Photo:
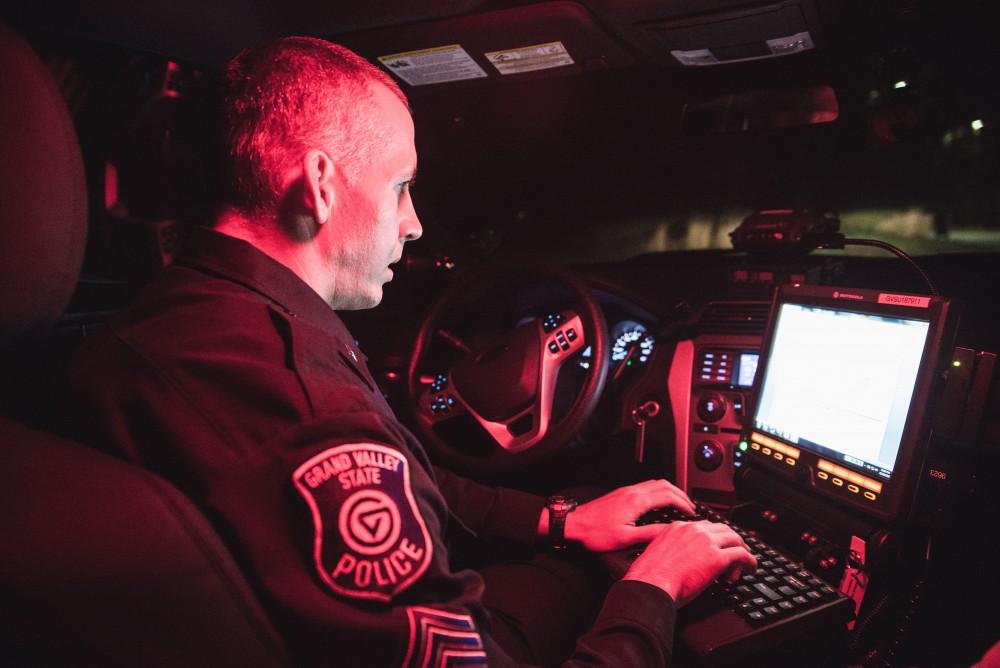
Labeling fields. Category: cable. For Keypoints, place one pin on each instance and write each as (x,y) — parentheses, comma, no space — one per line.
(841,242)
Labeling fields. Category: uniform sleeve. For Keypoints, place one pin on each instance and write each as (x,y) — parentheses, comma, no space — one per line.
(492,512)
(373,559)
(634,628)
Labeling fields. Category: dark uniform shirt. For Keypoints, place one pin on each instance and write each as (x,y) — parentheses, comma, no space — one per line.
(231,377)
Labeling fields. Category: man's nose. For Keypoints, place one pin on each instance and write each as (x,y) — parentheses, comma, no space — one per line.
(410,228)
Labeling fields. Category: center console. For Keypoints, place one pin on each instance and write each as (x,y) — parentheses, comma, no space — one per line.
(710,382)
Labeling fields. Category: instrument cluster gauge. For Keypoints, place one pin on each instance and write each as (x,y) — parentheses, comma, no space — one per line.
(631,344)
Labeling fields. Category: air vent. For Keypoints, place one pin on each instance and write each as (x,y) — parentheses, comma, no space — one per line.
(748,318)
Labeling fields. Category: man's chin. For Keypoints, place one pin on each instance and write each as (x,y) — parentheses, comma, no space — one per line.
(360,302)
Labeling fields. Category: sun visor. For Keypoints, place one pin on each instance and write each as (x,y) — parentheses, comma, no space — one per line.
(351,16)
(546,39)
(698,33)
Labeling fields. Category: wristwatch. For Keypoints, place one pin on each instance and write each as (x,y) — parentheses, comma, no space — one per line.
(559,507)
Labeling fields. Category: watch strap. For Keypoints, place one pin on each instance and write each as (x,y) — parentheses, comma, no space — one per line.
(559,508)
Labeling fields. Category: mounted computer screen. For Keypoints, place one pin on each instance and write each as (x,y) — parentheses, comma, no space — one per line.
(844,391)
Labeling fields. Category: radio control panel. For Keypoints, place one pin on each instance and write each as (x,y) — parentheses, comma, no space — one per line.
(720,374)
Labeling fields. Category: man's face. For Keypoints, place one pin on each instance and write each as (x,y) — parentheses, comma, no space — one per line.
(374,214)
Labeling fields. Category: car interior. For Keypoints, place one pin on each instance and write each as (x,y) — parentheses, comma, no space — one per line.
(748,246)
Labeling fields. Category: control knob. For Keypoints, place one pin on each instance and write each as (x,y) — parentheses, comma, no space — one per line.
(708,456)
(711,407)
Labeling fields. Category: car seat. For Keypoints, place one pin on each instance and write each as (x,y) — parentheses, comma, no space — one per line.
(101,562)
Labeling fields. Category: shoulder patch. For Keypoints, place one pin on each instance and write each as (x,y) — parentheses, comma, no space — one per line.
(371,541)
(442,639)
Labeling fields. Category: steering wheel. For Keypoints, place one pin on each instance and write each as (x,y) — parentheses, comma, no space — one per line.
(507,384)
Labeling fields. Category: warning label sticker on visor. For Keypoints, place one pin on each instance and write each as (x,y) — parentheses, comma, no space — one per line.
(370,540)
(437,65)
(530,58)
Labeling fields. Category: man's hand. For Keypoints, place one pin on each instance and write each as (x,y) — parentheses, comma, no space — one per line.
(608,522)
(686,557)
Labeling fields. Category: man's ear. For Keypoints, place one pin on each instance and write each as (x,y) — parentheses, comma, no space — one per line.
(318,173)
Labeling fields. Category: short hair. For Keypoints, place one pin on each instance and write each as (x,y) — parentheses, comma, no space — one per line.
(286,97)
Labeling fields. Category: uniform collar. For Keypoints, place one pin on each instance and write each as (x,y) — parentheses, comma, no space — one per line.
(238,261)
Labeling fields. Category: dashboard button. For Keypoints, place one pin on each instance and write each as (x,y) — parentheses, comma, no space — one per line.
(711,407)
(708,456)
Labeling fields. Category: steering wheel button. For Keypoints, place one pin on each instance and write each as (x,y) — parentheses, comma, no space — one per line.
(564,344)
(553,346)
(571,334)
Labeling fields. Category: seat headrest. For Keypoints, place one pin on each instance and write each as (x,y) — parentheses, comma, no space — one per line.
(43,193)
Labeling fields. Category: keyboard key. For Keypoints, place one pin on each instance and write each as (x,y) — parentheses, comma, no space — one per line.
(785,590)
(756,617)
(749,579)
(815,582)
(767,591)
(799,600)
(759,601)
(786,605)
(770,579)
(778,571)
(814,595)
(744,590)
(767,564)
(795,582)
(771,611)
(746,607)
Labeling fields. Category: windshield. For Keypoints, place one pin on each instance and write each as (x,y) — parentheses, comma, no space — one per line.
(605,167)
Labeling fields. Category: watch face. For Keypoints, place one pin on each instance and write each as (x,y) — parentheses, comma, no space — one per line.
(562,504)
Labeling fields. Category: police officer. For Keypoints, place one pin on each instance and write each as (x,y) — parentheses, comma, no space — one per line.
(233,376)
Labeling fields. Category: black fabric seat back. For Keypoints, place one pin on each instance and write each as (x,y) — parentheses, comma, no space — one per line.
(101,562)
(107,564)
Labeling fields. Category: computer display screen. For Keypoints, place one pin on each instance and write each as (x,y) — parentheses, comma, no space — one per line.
(839,383)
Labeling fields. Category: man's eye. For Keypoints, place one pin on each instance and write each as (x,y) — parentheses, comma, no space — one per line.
(405,186)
